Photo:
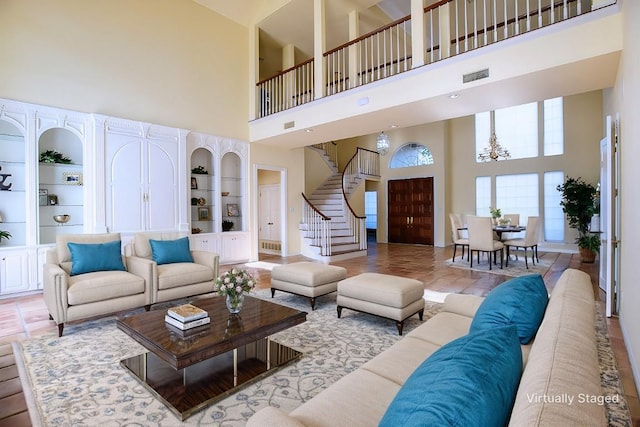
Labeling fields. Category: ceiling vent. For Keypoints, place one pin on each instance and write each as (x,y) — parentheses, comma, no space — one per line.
(476,75)
(289,125)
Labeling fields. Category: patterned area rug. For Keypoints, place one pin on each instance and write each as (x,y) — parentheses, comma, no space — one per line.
(77,380)
(516,267)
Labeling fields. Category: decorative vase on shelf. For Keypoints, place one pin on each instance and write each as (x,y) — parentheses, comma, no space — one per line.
(234,303)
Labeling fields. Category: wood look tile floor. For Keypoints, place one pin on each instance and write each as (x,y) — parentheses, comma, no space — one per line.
(26,316)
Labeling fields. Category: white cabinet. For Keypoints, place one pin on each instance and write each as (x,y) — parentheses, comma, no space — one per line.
(235,247)
(208,242)
(141,169)
(14,271)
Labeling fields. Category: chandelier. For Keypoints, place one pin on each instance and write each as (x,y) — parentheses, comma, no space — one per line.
(382,143)
(494,151)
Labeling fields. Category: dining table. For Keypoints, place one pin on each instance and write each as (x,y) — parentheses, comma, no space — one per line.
(499,229)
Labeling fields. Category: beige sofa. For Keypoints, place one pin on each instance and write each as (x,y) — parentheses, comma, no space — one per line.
(175,280)
(74,297)
(562,360)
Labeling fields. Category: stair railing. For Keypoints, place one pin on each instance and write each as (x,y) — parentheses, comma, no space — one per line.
(363,162)
(318,226)
(329,149)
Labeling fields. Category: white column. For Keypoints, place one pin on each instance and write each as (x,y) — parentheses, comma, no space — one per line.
(254,69)
(319,43)
(417,33)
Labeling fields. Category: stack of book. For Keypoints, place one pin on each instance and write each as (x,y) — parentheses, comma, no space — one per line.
(186,317)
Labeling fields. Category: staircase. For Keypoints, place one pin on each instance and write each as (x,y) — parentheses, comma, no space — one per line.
(331,231)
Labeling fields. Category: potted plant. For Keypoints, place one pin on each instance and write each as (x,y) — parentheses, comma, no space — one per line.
(578,205)
(227,225)
(495,214)
(4,235)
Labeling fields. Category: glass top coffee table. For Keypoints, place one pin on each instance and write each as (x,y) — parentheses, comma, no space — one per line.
(190,370)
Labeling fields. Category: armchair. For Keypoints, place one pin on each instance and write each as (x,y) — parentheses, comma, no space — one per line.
(172,280)
(85,275)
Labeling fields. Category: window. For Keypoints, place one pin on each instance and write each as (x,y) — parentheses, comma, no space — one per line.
(517,129)
(371,209)
(553,215)
(483,195)
(411,154)
(518,194)
(553,127)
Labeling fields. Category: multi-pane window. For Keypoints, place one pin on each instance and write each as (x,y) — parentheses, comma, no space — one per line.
(518,194)
(371,209)
(517,127)
(517,130)
(553,215)
(411,154)
(553,127)
(483,195)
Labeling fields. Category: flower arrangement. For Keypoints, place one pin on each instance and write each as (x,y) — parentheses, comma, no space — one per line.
(234,284)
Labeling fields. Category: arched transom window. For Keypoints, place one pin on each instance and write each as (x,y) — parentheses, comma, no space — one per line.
(411,154)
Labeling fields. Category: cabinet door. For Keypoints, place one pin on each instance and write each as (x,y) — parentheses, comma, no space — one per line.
(142,184)
(124,183)
(235,247)
(162,186)
(14,272)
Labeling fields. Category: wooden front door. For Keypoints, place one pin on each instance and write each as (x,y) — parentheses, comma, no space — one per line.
(410,211)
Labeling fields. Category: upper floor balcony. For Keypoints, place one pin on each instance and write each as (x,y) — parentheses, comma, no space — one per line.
(451,58)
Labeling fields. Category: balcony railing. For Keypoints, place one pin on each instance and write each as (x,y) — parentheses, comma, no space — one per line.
(464,25)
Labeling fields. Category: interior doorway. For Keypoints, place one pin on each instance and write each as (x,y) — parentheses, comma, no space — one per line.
(270,230)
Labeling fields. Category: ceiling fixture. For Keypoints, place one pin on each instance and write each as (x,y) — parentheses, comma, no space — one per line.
(494,151)
(382,143)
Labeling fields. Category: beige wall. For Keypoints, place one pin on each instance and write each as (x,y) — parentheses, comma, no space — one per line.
(292,162)
(433,136)
(268,177)
(168,62)
(316,171)
(583,132)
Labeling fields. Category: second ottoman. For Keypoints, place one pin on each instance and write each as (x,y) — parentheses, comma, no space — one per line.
(309,279)
(392,297)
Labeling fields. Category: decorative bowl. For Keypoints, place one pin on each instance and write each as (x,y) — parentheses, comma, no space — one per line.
(61,219)
(225,193)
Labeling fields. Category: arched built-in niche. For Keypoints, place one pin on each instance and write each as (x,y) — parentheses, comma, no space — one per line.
(60,184)
(203,194)
(12,185)
(231,190)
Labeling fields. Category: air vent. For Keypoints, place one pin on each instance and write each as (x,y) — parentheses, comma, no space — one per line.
(477,75)
(289,125)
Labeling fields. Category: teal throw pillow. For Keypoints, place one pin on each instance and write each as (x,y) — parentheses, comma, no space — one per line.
(170,251)
(520,301)
(471,381)
(90,257)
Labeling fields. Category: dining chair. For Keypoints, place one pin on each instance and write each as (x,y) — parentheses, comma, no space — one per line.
(530,240)
(456,224)
(481,239)
(513,219)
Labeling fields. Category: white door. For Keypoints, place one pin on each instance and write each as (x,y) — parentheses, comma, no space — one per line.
(269,202)
(609,215)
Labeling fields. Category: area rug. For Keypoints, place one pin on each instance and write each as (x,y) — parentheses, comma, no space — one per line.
(76,380)
(516,267)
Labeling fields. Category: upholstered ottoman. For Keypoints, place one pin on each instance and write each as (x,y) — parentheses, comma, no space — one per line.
(309,279)
(391,297)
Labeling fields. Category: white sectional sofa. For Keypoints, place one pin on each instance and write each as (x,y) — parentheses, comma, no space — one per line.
(560,362)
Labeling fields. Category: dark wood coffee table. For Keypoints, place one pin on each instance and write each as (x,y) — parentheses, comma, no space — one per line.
(189,371)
